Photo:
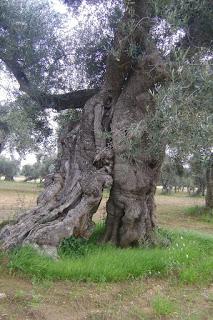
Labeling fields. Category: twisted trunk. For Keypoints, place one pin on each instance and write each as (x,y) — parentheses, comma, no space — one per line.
(136,171)
(72,195)
(107,147)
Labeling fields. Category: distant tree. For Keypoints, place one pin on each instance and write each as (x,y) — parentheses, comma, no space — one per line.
(198,166)
(39,170)
(8,168)
(167,177)
(173,174)
(30,172)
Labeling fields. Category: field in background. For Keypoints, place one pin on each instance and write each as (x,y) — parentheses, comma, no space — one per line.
(140,299)
(17,197)
(20,196)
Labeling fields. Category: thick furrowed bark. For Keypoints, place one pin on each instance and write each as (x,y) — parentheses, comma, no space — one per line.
(73,194)
(130,218)
(135,173)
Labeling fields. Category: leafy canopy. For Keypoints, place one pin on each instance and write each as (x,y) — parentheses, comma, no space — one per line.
(62,52)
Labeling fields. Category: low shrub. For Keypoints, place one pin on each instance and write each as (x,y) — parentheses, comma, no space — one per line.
(73,247)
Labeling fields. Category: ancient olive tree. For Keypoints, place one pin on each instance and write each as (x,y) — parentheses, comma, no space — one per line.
(114,141)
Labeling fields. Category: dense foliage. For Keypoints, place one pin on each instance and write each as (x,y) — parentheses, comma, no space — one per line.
(61,52)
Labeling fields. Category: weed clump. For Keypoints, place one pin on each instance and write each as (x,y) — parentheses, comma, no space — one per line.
(73,247)
(163,306)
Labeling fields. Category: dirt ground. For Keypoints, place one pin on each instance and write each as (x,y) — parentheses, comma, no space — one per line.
(17,197)
(26,299)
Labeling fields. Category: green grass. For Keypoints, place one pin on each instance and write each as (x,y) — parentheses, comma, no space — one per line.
(162,306)
(200,212)
(189,257)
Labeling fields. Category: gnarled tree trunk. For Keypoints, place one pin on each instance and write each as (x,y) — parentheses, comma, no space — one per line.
(136,170)
(72,195)
(107,147)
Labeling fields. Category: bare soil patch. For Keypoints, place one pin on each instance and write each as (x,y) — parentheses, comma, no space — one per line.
(16,197)
(77,301)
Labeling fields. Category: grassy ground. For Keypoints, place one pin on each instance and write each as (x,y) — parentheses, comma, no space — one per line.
(180,291)
(188,258)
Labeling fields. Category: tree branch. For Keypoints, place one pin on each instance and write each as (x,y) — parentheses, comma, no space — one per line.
(73,100)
